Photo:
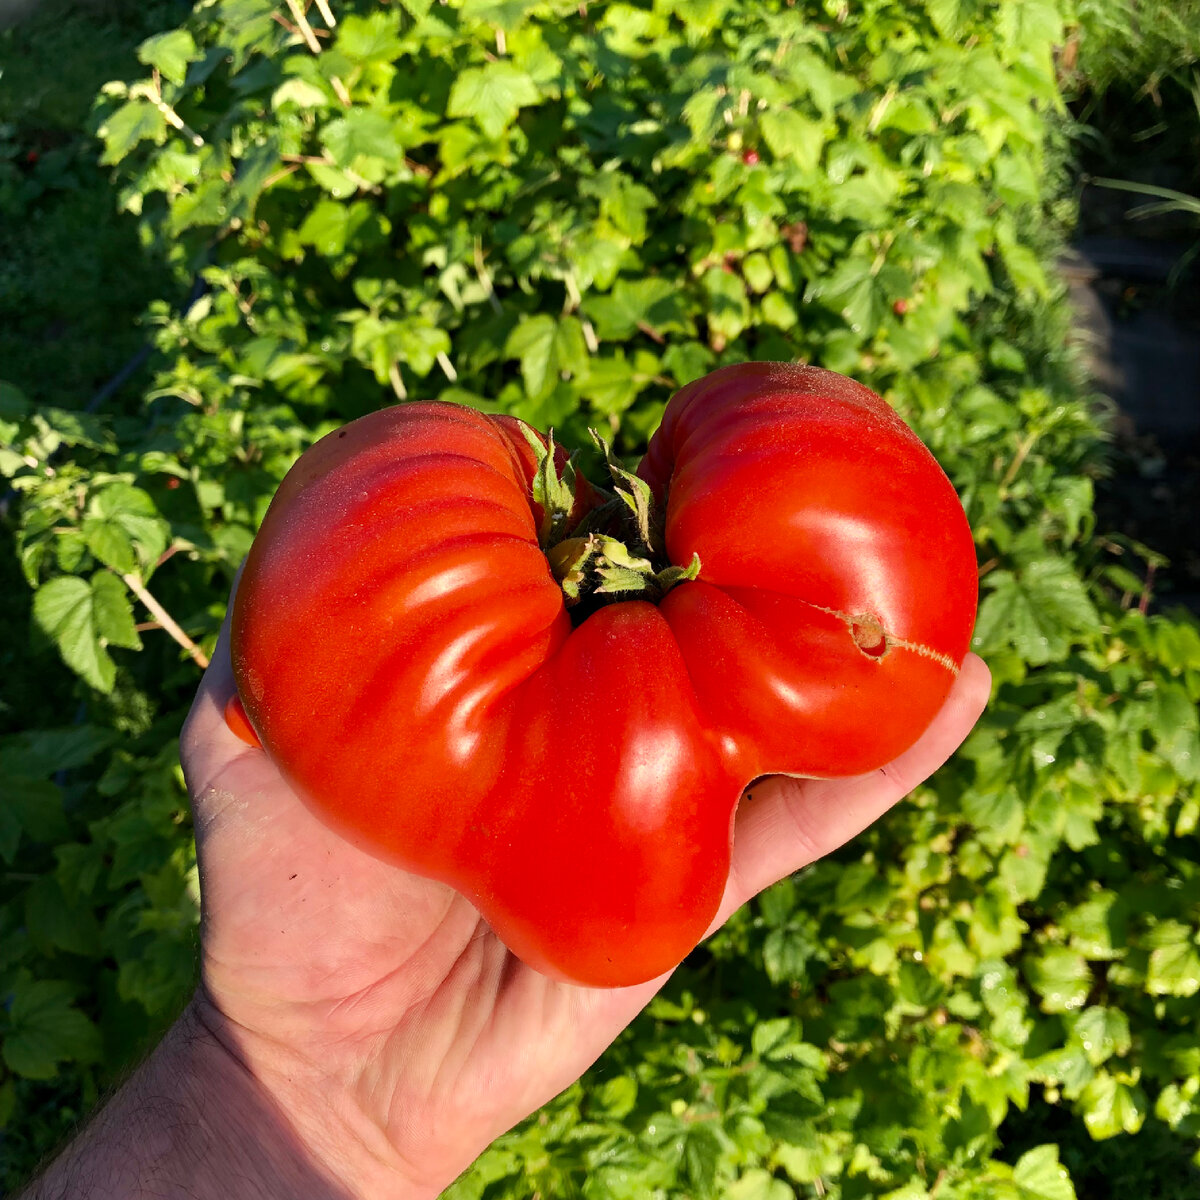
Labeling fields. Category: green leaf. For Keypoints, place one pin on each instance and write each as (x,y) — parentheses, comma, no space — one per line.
(1111,1107)
(728,308)
(1176,726)
(652,304)
(325,228)
(700,112)
(701,1155)
(1026,270)
(10,825)
(1098,926)
(1035,611)
(169,53)
(419,344)
(687,361)
(787,952)
(758,272)
(34,806)
(45,1028)
(492,95)
(123,527)
(508,14)
(918,987)
(946,16)
(361,132)
(757,1184)
(110,543)
(337,183)
(1061,977)
(63,608)
(1040,1176)
(612,383)
(54,922)
(301,93)
(112,612)
(258,163)
(1023,872)
(793,137)
(790,1118)
(76,429)
(996,809)
(374,38)
(622,201)
(83,619)
(14,404)
(617,1096)
(997,930)
(547,348)
(777,310)
(1101,1032)
(1174,970)
(134,122)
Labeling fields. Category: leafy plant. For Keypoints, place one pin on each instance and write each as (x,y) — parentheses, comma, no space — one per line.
(565,212)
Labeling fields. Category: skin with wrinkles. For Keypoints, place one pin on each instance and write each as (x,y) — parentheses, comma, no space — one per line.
(405,655)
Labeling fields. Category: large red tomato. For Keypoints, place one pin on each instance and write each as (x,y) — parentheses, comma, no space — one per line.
(407,657)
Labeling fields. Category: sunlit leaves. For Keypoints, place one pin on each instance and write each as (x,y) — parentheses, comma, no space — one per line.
(566,212)
(360,132)
(653,306)
(1111,1106)
(169,53)
(492,95)
(134,122)
(547,349)
(1036,610)
(1039,1175)
(84,619)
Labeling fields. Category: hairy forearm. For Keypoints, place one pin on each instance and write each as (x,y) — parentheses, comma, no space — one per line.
(192,1123)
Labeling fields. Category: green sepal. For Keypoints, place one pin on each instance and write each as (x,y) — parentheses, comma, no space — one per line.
(570,561)
(554,492)
(638,497)
(619,570)
(668,577)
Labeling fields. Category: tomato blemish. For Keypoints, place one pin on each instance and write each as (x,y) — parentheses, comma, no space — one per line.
(869,635)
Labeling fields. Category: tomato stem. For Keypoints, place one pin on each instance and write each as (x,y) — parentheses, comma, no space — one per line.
(618,550)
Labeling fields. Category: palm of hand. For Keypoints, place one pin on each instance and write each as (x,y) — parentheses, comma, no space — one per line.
(378,1007)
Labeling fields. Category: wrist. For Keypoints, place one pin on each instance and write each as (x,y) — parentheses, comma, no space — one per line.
(295,1117)
(198,1120)
(241,1137)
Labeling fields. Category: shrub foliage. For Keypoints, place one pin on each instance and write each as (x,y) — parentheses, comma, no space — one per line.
(565,211)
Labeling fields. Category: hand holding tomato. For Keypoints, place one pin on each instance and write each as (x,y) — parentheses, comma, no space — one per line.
(376,1013)
(360,1030)
(374,1007)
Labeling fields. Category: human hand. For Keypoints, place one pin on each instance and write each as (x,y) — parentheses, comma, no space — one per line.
(375,1008)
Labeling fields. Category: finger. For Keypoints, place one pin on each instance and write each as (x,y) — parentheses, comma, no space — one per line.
(206,738)
(784,824)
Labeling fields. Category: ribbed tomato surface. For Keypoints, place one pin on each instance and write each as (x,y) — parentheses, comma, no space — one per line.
(405,654)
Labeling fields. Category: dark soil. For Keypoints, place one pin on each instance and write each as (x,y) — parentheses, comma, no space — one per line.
(1138,301)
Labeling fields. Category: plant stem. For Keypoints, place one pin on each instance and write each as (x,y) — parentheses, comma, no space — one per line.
(164,618)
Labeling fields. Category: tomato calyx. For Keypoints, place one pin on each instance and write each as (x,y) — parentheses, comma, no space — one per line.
(553,490)
(618,550)
(599,568)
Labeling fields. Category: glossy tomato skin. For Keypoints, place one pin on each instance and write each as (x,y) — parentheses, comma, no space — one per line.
(404,654)
(852,517)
